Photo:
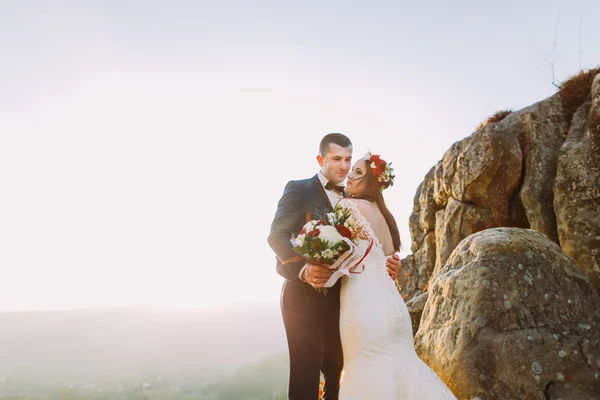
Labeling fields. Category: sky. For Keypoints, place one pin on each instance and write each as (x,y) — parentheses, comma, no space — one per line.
(144,145)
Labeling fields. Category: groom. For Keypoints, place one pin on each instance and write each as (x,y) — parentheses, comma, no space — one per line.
(311,319)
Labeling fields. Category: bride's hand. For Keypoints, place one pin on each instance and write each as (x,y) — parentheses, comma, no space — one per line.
(393,265)
(316,275)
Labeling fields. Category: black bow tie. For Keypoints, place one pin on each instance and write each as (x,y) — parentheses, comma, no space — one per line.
(331,186)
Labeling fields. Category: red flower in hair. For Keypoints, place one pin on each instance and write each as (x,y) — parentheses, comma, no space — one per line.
(380,169)
(379,165)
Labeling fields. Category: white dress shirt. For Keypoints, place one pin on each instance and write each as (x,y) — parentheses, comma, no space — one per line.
(333,196)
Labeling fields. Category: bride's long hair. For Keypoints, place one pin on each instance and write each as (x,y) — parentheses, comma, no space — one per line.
(374,192)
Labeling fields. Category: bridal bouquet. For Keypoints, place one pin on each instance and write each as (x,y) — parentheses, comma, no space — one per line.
(331,242)
(322,242)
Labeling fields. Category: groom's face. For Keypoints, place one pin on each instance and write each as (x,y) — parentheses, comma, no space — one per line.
(335,163)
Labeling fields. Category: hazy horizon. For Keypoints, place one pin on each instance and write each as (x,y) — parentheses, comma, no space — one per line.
(144,144)
(120,353)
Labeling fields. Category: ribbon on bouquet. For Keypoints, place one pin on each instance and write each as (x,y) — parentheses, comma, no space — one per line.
(347,263)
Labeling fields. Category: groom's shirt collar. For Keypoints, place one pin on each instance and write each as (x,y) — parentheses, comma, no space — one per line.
(322,178)
(333,196)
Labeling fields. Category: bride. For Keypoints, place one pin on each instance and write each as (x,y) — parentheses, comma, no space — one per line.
(380,361)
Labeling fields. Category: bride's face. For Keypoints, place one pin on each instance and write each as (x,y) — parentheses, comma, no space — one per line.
(356,181)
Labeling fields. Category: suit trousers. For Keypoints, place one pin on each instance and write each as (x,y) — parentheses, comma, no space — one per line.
(311,321)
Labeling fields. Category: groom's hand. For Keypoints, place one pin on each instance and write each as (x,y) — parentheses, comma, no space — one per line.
(393,265)
(316,275)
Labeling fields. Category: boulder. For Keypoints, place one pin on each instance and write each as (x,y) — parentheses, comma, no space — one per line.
(510,316)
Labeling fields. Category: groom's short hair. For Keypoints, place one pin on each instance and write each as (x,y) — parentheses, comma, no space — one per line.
(336,138)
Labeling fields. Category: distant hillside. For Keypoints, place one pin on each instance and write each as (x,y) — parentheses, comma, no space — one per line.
(266,379)
(130,342)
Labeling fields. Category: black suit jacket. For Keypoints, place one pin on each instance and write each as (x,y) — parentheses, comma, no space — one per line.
(301,200)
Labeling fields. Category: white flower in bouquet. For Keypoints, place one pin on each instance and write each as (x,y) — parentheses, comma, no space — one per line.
(327,253)
(330,234)
(309,226)
(299,240)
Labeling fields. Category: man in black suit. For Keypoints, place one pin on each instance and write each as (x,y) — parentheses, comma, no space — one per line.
(311,319)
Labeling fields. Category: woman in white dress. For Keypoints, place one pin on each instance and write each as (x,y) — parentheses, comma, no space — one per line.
(380,361)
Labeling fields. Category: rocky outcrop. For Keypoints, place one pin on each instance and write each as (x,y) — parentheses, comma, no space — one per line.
(577,188)
(503,280)
(483,169)
(510,316)
(538,168)
(415,306)
(418,267)
(541,134)
(454,223)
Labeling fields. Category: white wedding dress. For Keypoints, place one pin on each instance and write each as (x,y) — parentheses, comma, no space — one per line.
(380,361)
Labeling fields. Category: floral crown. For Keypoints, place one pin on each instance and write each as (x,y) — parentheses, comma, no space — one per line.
(380,169)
